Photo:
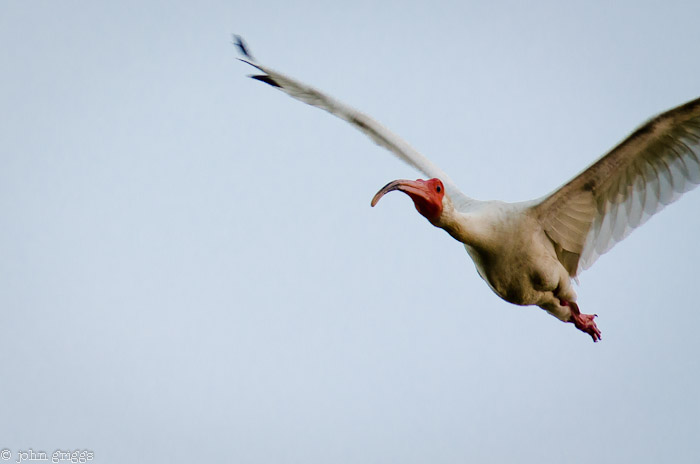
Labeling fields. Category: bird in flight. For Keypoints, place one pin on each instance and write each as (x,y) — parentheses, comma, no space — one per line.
(529,252)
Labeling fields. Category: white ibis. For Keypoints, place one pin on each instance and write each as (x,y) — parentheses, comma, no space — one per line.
(529,252)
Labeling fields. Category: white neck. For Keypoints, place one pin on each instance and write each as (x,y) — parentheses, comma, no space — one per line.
(462,227)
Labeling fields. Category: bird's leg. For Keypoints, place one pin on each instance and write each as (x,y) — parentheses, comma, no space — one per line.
(583,322)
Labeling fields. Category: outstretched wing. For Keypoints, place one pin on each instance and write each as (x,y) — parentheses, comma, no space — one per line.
(373,129)
(650,169)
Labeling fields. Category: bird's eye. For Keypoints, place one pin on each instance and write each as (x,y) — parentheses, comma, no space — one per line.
(438,189)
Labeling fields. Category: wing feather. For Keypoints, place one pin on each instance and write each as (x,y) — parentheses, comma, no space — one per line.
(370,127)
(650,169)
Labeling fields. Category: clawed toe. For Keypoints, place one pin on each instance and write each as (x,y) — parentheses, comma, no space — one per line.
(586,323)
(583,322)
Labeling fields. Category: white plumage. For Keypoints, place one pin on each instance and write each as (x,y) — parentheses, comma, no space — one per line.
(528,252)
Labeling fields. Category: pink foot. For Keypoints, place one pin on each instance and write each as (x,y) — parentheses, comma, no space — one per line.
(583,322)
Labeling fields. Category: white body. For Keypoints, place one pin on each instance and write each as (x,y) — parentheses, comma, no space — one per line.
(512,253)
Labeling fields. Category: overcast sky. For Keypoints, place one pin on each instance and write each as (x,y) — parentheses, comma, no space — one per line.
(190,270)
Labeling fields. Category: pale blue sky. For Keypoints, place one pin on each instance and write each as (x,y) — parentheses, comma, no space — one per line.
(190,270)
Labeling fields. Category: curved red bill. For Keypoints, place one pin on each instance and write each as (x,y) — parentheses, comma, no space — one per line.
(426,195)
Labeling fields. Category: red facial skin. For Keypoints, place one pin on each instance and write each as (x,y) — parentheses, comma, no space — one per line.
(426,195)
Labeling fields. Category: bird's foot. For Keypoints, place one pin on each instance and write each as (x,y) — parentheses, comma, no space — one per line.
(583,322)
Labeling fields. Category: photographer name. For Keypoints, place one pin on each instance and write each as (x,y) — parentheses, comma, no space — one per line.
(74,457)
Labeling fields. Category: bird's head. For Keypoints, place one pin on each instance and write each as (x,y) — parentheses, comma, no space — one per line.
(427,195)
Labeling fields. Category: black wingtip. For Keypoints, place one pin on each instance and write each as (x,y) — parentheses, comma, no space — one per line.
(242,47)
(266,79)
